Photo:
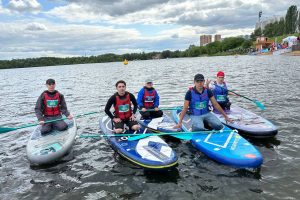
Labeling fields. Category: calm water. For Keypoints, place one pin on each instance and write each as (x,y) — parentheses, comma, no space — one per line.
(94,171)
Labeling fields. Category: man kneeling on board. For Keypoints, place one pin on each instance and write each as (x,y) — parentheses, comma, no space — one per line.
(49,106)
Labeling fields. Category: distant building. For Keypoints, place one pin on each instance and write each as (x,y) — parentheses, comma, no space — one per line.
(217,38)
(263,43)
(205,39)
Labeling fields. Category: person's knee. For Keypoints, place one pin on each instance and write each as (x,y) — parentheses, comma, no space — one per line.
(62,127)
(135,127)
(118,130)
(146,115)
(46,129)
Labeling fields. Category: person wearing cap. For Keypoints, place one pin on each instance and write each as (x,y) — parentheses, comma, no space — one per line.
(196,102)
(51,105)
(148,98)
(219,89)
(124,114)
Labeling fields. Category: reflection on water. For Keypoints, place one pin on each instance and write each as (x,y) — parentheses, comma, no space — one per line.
(94,171)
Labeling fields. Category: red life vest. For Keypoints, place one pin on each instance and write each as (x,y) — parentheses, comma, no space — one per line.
(52,104)
(123,107)
(149,98)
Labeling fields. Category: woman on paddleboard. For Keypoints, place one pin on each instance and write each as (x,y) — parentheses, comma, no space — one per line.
(123,114)
(196,101)
(49,106)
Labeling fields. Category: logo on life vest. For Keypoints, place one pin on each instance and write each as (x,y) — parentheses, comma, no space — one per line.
(221,98)
(149,99)
(200,105)
(52,103)
(123,108)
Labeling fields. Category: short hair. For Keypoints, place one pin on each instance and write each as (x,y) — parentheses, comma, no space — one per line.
(120,81)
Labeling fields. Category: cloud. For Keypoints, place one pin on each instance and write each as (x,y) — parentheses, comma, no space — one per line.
(35,27)
(23,6)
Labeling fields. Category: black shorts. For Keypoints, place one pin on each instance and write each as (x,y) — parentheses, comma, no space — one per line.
(121,124)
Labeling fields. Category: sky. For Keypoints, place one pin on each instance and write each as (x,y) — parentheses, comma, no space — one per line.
(37,28)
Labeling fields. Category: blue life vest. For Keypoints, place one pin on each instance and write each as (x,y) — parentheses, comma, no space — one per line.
(199,102)
(221,93)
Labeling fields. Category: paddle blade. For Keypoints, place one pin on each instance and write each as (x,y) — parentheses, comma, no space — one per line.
(6,129)
(183,136)
(260,105)
(132,138)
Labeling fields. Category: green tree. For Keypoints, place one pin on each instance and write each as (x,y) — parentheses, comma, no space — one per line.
(291,19)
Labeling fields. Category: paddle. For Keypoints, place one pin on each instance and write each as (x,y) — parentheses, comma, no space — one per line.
(257,103)
(7,129)
(175,108)
(132,136)
(181,135)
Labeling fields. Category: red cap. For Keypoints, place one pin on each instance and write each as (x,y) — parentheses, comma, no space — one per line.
(220,73)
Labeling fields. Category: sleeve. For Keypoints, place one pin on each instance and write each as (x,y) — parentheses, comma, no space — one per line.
(63,106)
(140,98)
(133,100)
(212,86)
(188,96)
(39,107)
(156,102)
(209,93)
(109,103)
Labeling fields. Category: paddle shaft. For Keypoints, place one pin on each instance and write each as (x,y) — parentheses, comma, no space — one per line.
(7,129)
(149,134)
(176,108)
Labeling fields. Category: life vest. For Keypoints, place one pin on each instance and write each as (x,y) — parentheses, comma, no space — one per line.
(123,107)
(52,104)
(199,103)
(149,98)
(220,93)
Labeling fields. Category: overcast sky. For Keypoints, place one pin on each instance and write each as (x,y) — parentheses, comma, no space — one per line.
(33,28)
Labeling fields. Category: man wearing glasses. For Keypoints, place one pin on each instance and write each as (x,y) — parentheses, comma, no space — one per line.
(197,101)
(148,98)
(123,114)
(49,106)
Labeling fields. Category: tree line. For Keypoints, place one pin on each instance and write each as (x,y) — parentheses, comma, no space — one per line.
(228,46)
(289,24)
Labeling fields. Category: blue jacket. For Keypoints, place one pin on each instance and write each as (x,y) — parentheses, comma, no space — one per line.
(141,97)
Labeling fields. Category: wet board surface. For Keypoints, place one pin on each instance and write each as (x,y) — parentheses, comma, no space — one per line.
(226,146)
(248,123)
(44,149)
(150,152)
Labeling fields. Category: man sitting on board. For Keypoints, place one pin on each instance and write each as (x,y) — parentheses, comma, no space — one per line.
(197,100)
(123,114)
(148,98)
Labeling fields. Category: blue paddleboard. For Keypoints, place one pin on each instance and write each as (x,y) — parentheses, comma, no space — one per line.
(248,123)
(226,146)
(150,152)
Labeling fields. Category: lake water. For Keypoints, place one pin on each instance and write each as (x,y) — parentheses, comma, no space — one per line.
(94,171)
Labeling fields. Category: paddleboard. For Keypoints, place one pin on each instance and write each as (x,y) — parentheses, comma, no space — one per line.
(248,123)
(226,146)
(48,148)
(150,152)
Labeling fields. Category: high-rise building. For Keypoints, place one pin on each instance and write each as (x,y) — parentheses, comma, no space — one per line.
(217,38)
(205,39)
